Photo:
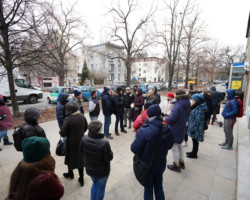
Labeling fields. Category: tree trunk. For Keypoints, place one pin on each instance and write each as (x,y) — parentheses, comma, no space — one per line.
(187,79)
(14,104)
(128,75)
(61,79)
(171,73)
(196,77)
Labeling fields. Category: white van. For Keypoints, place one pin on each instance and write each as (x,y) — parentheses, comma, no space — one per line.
(24,91)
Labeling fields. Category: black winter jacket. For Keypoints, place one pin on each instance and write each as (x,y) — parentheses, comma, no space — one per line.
(127,100)
(31,127)
(118,104)
(97,154)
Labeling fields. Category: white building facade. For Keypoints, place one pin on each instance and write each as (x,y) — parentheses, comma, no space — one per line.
(104,64)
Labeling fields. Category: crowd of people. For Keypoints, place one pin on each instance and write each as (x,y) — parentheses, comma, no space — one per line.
(157,129)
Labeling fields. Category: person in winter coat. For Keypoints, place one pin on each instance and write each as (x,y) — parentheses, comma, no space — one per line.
(145,143)
(31,127)
(216,98)
(34,177)
(168,105)
(229,112)
(127,101)
(157,96)
(177,121)
(94,107)
(140,120)
(5,121)
(74,127)
(78,99)
(135,87)
(107,109)
(207,98)
(118,110)
(151,98)
(60,108)
(138,104)
(97,154)
(196,123)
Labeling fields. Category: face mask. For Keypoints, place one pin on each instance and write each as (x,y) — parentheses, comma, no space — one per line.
(169,99)
(1,100)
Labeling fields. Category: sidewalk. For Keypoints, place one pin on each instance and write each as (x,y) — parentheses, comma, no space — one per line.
(212,176)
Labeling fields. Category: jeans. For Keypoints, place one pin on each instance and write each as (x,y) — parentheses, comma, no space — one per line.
(126,116)
(3,133)
(155,183)
(98,188)
(107,122)
(119,118)
(92,118)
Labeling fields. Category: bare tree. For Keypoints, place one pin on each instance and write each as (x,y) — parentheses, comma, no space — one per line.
(59,37)
(135,39)
(14,29)
(170,37)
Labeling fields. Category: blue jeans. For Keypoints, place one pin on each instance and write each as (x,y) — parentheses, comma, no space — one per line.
(3,133)
(155,183)
(92,118)
(107,122)
(119,118)
(98,188)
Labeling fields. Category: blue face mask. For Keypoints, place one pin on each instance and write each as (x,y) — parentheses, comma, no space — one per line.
(1,100)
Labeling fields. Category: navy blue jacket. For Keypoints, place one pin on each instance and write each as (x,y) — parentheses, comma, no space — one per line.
(216,97)
(118,104)
(60,113)
(145,142)
(178,117)
(106,104)
(209,111)
(230,112)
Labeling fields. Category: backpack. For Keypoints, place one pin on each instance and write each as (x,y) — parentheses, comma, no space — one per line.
(240,105)
(18,138)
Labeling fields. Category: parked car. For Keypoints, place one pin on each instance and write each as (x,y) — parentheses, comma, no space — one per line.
(174,85)
(144,87)
(54,93)
(158,86)
(163,87)
(86,92)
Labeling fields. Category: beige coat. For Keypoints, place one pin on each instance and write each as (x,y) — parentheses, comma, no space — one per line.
(167,106)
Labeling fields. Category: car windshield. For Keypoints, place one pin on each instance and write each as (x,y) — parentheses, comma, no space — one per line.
(68,90)
(92,89)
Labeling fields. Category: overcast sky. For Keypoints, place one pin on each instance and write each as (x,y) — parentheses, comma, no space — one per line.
(226,20)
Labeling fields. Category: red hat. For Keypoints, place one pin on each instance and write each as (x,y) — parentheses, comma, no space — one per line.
(170,95)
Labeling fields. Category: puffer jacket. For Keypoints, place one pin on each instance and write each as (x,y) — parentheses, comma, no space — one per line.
(216,96)
(60,108)
(106,104)
(7,121)
(97,154)
(179,116)
(157,97)
(127,100)
(197,119)
(138,102)
(118,104)
(230,111)
(31,127)
(209,111)
(146,140)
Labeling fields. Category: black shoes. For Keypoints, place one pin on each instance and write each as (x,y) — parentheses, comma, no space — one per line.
(174,167)
(192,155)
(81,181)
(109,136)
(124,131)
(68,175)
(124,126)
(6,141)
(189,153)
(117,133)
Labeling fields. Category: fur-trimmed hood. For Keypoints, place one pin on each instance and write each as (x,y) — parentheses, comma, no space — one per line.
(183,96)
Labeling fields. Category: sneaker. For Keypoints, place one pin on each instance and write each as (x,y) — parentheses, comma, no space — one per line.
(109,136)
(174,167)
(182,164)
(227,147)
(184,144)
(223,144)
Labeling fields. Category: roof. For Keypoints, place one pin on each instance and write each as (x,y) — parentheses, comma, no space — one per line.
(248,26)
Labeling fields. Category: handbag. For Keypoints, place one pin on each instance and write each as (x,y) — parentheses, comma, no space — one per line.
(61,148)
(141,168)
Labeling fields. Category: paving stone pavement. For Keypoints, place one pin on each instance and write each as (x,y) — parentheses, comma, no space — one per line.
(210,177)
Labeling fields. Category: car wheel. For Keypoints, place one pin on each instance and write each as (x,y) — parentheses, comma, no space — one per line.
(48,100)
(33,99)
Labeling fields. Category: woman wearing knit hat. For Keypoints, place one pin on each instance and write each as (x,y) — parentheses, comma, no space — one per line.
(167,105)
(97,154)
(34,177)
(196,123)
(78,99)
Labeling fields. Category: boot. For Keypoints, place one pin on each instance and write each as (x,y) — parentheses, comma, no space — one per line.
(123,130)
(6,141)
(174,167)
(116,132)
(182,164)
(81,180)
(193,154)
(0,149)
(70,175)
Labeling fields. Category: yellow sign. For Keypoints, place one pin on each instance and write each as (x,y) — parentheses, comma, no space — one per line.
(236,85)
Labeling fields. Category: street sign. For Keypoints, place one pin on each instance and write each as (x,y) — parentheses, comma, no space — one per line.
(236,85)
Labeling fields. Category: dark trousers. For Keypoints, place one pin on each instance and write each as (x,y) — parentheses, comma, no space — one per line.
(195,146)
(154,186)
(215,111)
(119,118)
(80,171)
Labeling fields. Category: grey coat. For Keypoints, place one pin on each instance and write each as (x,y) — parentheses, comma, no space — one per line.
(74,127)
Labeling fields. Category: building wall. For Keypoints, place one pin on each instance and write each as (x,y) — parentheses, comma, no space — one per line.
(247,96)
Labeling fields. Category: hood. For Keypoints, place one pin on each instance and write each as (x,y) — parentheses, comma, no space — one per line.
(63,97)
(105,90)
(197,97)
(71,107)
(103,94)
(213,88)
(185,102)
(31,115)
(230,94)
(183,96)
(139,91)
(155,121)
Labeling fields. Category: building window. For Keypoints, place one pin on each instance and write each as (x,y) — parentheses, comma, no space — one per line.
(139,74)
(92,66)
(112,67)
(144,71)
(145,64)
(91,57)
(118,77)
(139,69)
